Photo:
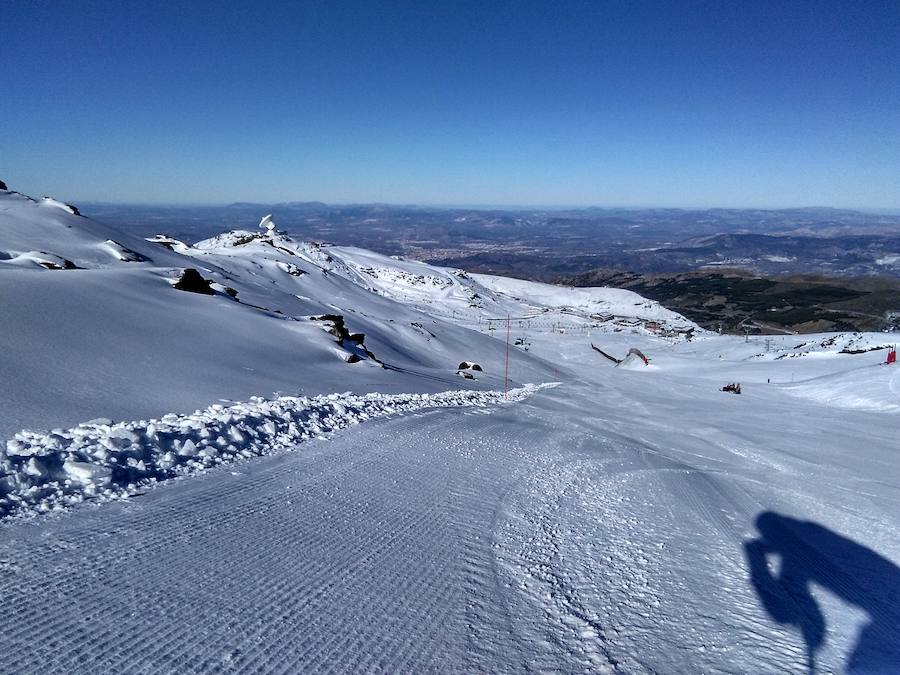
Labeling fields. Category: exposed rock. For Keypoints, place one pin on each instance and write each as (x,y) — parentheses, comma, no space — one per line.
(337,327)
(469,365)
(244,239)
(124,253)
(193,282)
(334,325)
(166,241)
(291,269)
(3,186)
(66,265)
(49,261)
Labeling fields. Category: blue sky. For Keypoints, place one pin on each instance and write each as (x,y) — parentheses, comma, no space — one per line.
(516,103)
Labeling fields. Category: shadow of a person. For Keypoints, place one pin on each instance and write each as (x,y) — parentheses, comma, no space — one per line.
(810,553)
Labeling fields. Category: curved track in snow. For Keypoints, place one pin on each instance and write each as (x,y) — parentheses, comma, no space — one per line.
(523,538)
(371,552)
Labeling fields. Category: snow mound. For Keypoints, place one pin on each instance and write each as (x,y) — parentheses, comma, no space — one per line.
(455,294)
(49,261)
(829,345)
(123,253)
(169,243)
(229,240)
(98,459)
(57,229)
(49,201)
(873,388)
(615,301)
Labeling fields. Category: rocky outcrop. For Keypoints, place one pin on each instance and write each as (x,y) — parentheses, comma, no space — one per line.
(193,282)
(334,325)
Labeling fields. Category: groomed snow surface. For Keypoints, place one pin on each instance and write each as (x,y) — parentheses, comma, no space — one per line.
(102,460)
(629,520)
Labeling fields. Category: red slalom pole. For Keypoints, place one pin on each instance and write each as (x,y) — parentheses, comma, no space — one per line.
(506,366)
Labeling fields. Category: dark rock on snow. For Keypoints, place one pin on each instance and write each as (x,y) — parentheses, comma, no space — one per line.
(193,282)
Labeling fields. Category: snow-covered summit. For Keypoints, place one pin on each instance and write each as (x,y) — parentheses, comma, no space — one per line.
(449,292)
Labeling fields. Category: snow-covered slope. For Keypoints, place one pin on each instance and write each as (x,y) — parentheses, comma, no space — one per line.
(100,331)
(31,229)
(634,519)
(135,347)
(616,301)
(471,297)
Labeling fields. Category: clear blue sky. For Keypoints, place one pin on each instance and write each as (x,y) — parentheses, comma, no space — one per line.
(726,103)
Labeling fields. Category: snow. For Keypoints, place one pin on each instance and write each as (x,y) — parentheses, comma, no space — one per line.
(225,510)
(43,471)
(876,388)
(116,340)
(49,201)
(49,226)
(617,301)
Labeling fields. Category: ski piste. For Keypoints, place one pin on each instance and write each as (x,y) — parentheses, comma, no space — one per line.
(330,491)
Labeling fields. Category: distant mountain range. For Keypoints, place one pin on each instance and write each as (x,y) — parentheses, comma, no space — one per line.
(545,244)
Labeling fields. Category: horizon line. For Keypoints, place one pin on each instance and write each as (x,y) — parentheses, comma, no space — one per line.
(880,210)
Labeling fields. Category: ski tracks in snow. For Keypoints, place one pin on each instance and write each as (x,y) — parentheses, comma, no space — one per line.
(500,539)
(633,564)
(102,460)
(372,553)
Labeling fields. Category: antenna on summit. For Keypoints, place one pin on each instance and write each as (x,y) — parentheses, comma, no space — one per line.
(268,224)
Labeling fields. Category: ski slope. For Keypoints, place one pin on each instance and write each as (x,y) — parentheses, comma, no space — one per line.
(627,520)
(104,460)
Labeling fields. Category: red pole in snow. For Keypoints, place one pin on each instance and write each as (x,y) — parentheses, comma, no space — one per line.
(506,367)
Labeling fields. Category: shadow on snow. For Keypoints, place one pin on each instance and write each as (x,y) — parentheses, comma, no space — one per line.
(809,553)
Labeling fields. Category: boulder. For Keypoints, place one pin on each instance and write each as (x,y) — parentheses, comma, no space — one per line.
(193,282)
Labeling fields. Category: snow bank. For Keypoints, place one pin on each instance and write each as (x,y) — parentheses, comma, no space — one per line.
(68,208)
(827,345)
(98,459)
(871,388)
(53,228)
(617,301)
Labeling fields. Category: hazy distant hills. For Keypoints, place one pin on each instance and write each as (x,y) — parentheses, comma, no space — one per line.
(546,244)
(738,301)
